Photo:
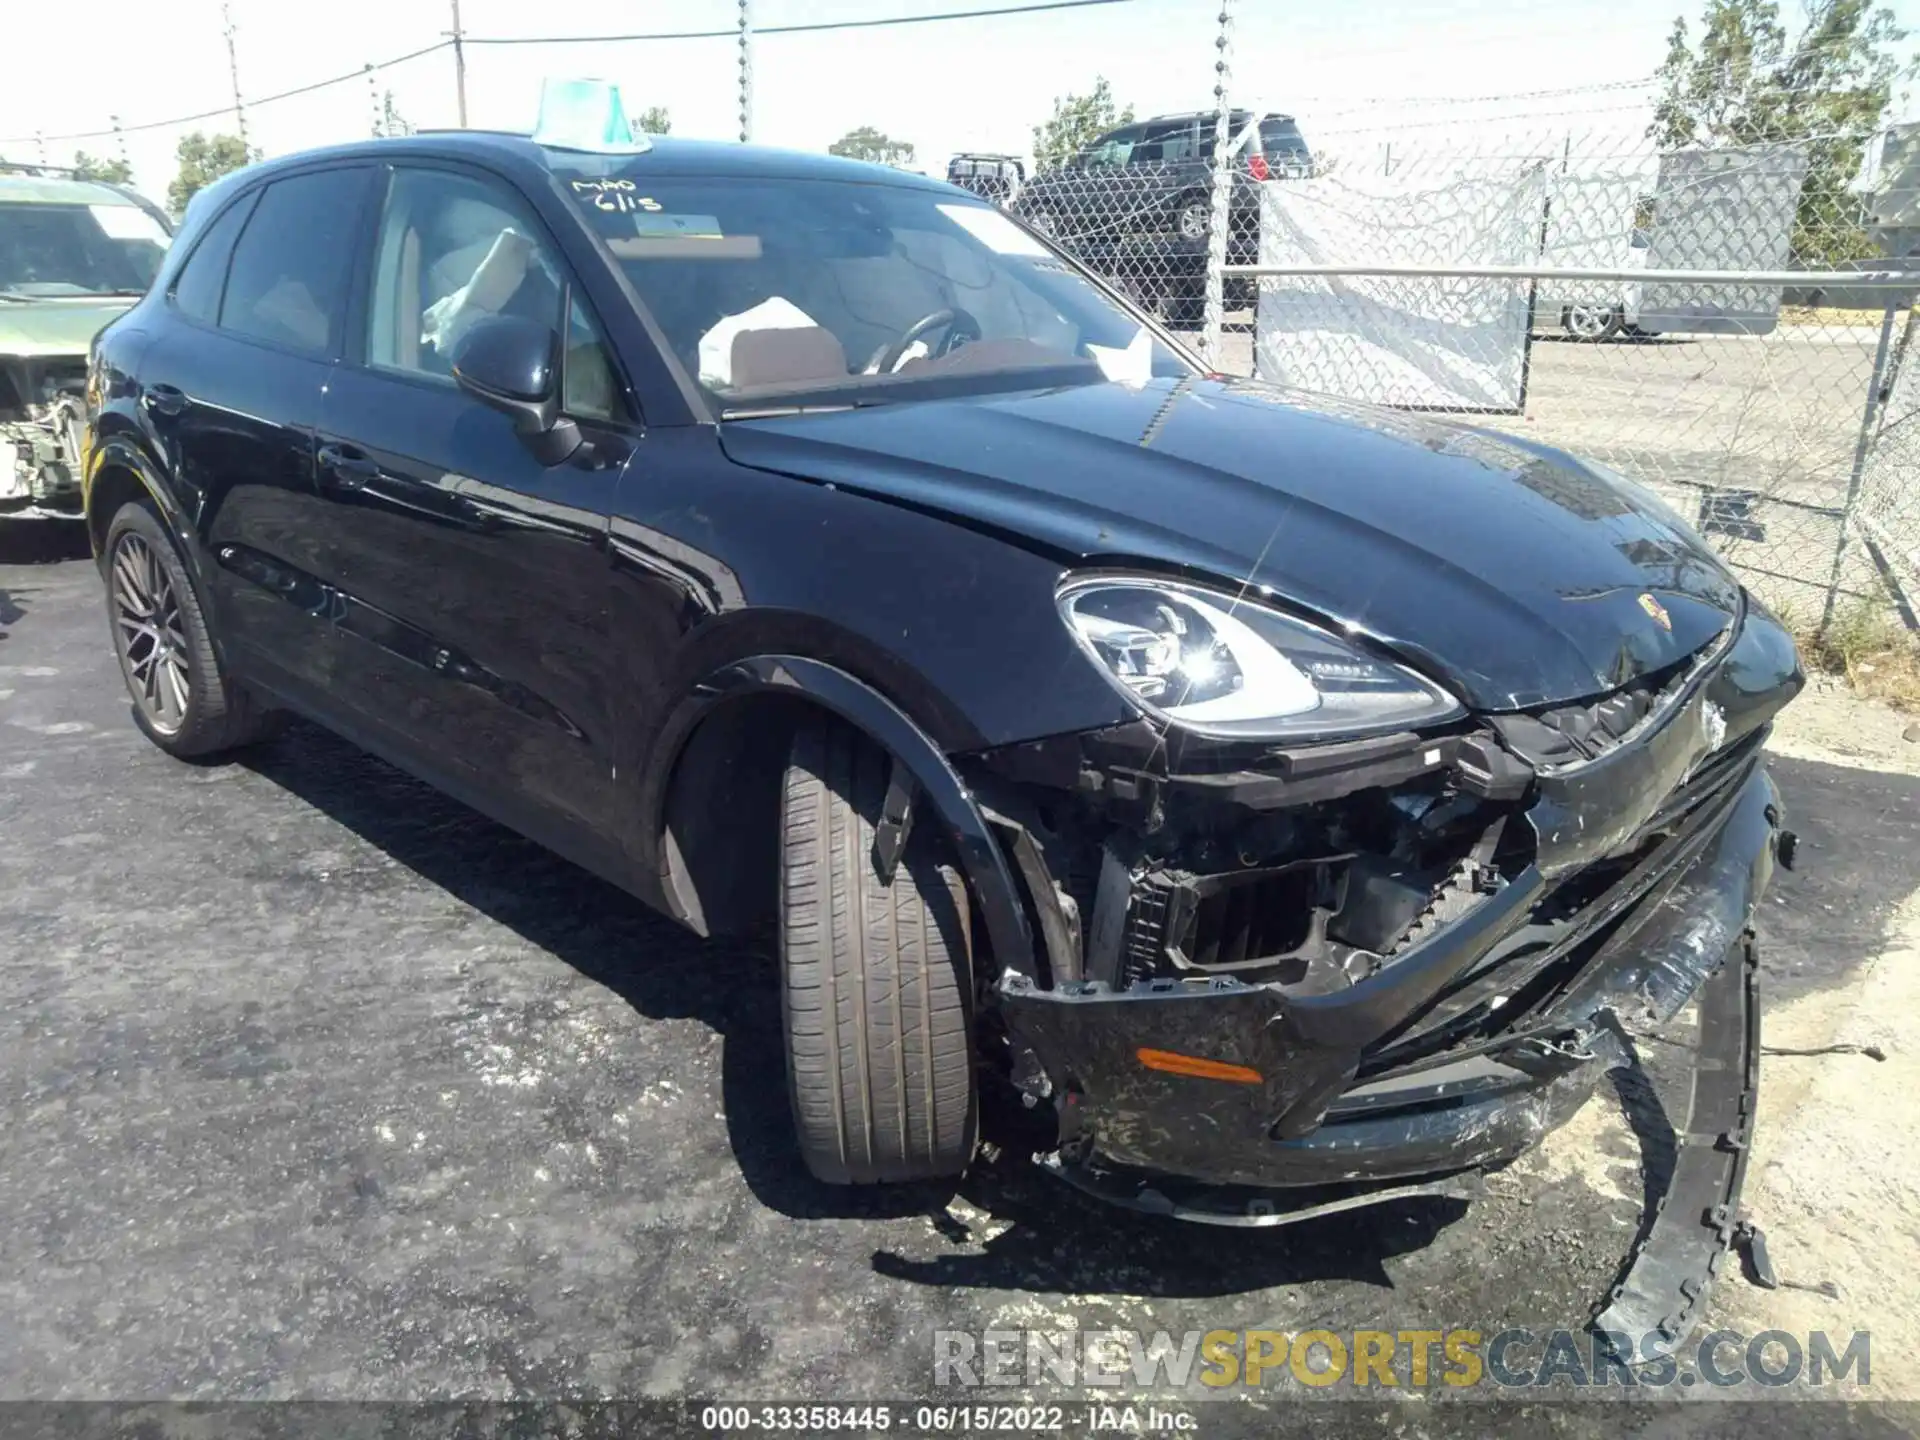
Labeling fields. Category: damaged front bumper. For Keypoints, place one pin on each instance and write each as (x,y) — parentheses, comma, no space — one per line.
(1473,1041)
(1127,1130)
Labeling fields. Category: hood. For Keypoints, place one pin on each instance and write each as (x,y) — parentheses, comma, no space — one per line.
(39,328)
(1511,571)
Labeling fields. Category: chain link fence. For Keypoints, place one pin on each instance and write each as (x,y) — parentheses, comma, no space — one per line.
(1887,506)
(1139,207)
(1594,294)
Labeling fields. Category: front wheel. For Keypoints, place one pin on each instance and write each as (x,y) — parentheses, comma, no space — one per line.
(1594,322)
(876,977)
(182,700)
(1194,219)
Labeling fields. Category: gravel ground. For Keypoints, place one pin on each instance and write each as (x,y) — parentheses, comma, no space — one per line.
(317,1085)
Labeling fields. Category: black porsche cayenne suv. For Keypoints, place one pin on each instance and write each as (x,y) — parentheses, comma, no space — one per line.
(1278,795)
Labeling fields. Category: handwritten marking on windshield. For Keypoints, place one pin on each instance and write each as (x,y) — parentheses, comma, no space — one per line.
(616,196)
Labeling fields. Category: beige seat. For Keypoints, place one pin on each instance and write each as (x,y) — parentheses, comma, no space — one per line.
(802,355)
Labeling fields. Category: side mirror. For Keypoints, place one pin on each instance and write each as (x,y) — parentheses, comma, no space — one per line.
(512,364)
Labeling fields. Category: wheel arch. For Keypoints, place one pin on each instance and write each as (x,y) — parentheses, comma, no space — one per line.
(724,750)
(118,471)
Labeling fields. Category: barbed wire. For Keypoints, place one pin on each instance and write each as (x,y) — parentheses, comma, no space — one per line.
(1361,107)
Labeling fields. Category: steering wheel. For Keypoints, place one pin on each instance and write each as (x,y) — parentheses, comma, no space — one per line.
(961,329)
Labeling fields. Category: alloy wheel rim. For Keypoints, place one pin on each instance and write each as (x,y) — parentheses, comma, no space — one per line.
(1586,321)
(151,636)
(1193,221)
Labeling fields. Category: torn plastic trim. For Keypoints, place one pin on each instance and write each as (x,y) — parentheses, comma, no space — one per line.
(1247,1206)
(1632,900)
(935,782)
(1648,970)
(1679,690)
(1136,763)
(1680,1251)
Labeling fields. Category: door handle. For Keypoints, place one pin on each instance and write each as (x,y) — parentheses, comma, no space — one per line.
(164,399)
(349,467)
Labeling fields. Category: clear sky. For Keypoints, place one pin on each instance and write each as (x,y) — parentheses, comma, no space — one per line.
(1355,72)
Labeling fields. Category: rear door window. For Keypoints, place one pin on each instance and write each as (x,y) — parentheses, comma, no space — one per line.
(1160,143)
(288,281)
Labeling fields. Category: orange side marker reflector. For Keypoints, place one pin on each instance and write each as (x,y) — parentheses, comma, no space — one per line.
(1200,1069)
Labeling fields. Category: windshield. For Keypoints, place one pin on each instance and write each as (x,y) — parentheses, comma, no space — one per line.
(60,250)
(777,291)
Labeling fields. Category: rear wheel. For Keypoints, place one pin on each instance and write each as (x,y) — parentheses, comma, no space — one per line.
(876,977)
(181,698)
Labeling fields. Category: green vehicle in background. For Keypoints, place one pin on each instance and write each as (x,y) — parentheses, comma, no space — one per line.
(73,255)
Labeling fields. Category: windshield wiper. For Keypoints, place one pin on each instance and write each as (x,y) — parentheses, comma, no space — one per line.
(770,412)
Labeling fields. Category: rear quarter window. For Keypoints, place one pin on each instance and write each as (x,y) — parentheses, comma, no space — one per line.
(196,291)
(1282,138)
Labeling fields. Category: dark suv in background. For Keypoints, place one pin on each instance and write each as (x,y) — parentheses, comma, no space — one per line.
(1136,203)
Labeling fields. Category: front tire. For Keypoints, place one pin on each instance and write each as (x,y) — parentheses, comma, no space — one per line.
(182,700)
(876,977)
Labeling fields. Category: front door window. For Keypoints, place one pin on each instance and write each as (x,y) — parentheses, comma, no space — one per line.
(454,250)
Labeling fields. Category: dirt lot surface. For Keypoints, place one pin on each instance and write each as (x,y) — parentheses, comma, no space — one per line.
(316,1085)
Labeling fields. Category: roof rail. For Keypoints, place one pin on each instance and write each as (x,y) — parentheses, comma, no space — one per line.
(20,167)
(464,130)
(1197,114)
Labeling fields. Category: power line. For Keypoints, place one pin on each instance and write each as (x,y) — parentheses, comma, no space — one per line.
(1032,7)
(809,28)
(1380,102)
(359,74)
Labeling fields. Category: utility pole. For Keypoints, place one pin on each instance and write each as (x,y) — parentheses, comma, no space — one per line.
(233,70)
(746,71)
(120,141)
(373,94)
(459,65)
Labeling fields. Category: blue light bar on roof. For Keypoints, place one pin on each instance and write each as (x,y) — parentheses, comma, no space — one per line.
(586,115)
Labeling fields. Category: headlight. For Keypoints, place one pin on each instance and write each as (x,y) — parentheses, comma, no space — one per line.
(1238,670)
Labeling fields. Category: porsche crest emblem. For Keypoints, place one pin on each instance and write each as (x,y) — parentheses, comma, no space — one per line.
(1657,611)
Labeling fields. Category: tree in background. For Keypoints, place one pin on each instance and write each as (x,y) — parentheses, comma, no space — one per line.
(1077,121)
(203,160)
(1745,84)
(654,120)
(867,143)
(98,167)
